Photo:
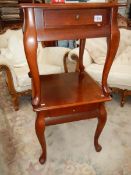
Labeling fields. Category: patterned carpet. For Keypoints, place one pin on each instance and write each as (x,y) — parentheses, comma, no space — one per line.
(69,146)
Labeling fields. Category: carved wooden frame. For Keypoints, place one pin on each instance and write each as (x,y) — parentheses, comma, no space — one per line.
(123,94)
(11,88)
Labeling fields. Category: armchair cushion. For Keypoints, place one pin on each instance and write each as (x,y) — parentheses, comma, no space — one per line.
(16,48)
(126,36)
(5,36)
(52,56)
(119,76)
(22,80)
(97,47)
(3,42)
(14,52)
(124,58)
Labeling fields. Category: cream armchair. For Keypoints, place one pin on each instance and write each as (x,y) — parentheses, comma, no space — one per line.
(13,61)
(94,57)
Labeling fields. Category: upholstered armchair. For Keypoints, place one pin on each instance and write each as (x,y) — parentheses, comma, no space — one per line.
(13,62)
(119,78)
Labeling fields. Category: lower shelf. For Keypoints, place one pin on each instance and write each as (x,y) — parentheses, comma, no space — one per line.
(69,90)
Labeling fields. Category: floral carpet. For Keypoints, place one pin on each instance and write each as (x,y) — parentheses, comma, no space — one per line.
(70,149)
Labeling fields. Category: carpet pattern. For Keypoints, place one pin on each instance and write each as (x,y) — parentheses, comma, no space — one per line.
(70,146)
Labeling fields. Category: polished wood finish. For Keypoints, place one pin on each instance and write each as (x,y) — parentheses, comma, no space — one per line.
(70,96)
(81,89)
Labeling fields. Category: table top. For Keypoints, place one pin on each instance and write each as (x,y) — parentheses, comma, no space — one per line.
(82,5)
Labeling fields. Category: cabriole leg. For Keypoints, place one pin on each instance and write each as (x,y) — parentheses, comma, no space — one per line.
(40,128)
(101,123)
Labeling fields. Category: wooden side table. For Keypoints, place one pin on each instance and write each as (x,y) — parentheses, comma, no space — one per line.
(72,96)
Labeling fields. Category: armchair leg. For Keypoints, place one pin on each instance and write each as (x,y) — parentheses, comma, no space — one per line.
(101,123)
(123,97)
(40,128)
(15,98)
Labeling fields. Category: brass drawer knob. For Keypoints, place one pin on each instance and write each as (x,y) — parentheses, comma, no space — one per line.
(77,16)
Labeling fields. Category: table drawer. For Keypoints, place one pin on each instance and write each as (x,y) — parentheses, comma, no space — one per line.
(71,110)
(70,18)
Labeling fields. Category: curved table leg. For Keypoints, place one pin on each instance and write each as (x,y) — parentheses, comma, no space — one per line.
(101,123)
(40,128)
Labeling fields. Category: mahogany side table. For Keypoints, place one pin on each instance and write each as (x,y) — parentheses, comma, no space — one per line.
(74,96)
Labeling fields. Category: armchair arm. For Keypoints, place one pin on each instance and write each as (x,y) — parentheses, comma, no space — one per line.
(74,56)
(5,61)
(3,40)
(4,66)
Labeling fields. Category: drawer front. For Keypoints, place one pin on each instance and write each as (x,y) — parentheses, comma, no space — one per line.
(70,18)
(71,110)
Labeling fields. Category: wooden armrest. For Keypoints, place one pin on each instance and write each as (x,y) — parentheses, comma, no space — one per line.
(74,57)
(65,59)
(9,77)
